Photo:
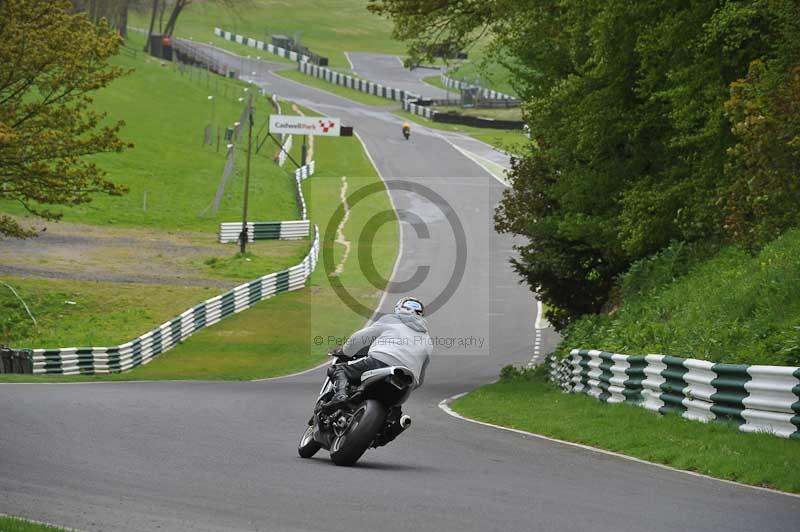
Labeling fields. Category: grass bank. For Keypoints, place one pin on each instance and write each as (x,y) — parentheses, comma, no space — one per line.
(694,302)
(327,27)
(526,401)
(344,92)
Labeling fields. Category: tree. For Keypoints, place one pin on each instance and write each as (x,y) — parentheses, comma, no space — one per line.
(764,165)
(51,60)
(159,9)
(114,11)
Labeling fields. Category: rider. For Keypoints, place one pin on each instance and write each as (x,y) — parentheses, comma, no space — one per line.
(406,128)
(399,339)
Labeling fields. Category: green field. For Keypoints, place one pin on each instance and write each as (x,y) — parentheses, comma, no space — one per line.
(344,92)
(327,27)
(525,401)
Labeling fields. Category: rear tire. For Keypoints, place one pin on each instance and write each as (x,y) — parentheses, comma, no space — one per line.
(308,445)
(367,421)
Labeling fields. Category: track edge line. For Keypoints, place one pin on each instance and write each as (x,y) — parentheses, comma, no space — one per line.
(444,405)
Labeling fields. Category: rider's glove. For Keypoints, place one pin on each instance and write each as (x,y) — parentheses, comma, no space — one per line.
(336,352)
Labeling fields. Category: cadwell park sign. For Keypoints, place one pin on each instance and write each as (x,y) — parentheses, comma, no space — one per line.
(305,125)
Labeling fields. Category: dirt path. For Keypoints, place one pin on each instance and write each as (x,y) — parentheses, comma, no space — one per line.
(85,252)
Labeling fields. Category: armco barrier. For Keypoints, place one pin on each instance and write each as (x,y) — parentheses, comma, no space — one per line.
(756,398)
(453,118)
(476,121)
(15,360)
(288,230)
(89,360)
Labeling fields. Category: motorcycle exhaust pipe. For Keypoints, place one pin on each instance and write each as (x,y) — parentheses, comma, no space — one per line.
(405,421)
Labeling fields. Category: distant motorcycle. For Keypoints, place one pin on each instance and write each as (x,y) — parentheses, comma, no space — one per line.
(370,418)
(406,132)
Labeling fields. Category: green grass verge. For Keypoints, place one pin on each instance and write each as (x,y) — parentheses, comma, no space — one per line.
(74,313)
(730,306)
(509,141)
(327,27)
(252,264)
(277,336)
(345,92)
(165,114)
(14,524)
(526,401)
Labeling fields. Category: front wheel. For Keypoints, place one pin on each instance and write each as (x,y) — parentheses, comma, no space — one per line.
(308,445)
(367,420)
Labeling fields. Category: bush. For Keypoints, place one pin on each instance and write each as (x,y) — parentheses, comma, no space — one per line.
(732,307)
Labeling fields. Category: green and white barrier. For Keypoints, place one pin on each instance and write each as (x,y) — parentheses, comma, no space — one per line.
(286,147)
(90,360)
(756,398)
(261,45)
(485,93)
(358,84)
(290,230)
(300,175)
(421,110)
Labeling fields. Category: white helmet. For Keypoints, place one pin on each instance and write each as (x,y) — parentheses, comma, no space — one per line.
(409,305)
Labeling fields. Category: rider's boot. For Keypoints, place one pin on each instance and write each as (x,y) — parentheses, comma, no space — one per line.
(340,383)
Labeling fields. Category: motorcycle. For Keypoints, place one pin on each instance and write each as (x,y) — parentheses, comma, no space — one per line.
(406,132)
(371,417)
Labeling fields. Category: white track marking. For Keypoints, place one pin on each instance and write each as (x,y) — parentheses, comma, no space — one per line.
(309,370)
(539,321)
(444,405)
(477,159)
(347,56)
(340,239)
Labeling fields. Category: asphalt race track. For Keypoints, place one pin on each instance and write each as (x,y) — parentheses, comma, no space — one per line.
(220,456)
